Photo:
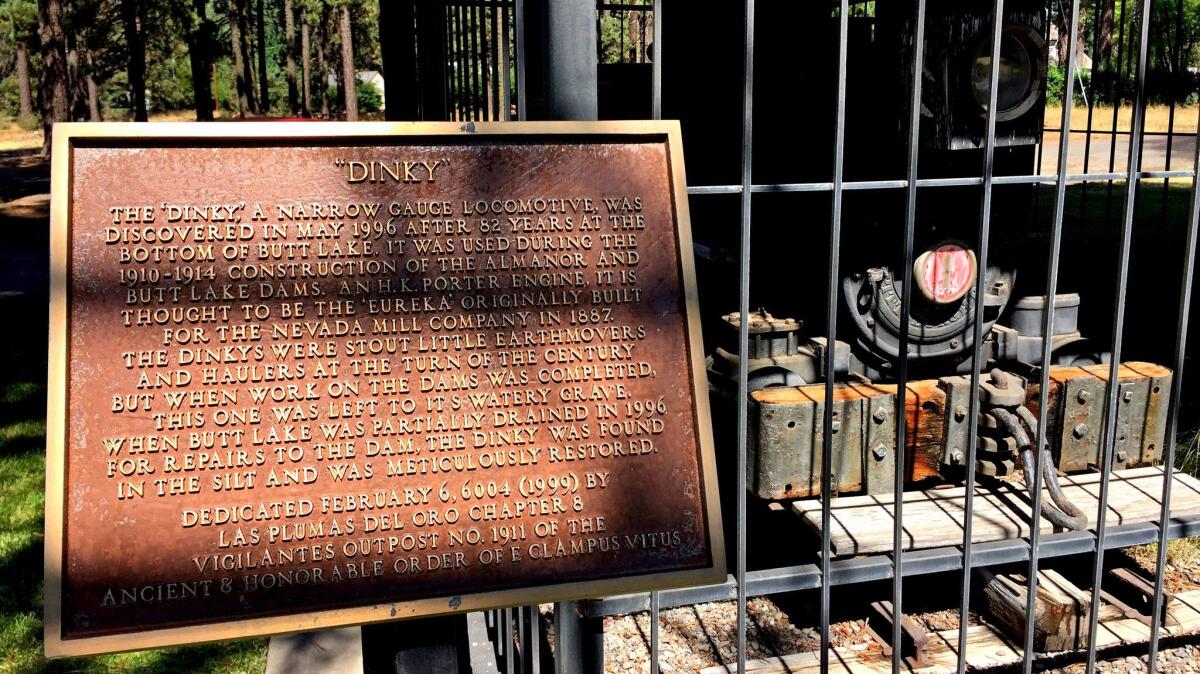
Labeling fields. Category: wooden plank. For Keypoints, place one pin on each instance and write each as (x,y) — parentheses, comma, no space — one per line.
(986,647)
(934,518)
(1060,615)
(1186,613)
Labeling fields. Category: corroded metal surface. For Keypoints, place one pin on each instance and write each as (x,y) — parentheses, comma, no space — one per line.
(307,376)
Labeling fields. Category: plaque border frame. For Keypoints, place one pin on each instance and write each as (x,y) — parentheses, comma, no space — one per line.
(65,135)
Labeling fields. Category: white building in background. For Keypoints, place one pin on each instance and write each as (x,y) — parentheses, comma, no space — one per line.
(372,76)
(375,78)
(1082,60)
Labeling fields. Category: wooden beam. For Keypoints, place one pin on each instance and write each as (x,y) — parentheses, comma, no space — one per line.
(1060,613)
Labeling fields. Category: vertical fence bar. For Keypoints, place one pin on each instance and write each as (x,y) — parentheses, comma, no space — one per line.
(494,58)
(460,62)
(1091,103)
(656,113)
(1052,262)
(1109,435)
(910,228)
(448,36)
(519,12)
(486,79)
(654,636)
(506,63)
(1176,66)
(656,64)
(474,58)
(1185,303)
(985,224)
(831,312)
(1119,89)
(744,326)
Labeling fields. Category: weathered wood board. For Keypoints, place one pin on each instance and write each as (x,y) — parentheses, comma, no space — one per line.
(986,647)
(934,518)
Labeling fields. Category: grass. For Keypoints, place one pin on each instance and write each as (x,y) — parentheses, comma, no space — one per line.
(1158,117)
(19,135)
(22,502)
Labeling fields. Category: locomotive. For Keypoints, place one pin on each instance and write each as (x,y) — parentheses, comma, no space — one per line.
(787,360)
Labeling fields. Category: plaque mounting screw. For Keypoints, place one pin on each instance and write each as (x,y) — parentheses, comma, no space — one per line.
(1081,430)
(880,415)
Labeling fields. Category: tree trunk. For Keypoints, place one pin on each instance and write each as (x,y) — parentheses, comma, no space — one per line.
(93,100)
(23,88)
(93,90)
(289,49)
(348,66)
(305,68)
(264,96)
(131,18)
(199,42)
(1062,44)
(248,55)
(54,69)
(323,66)
(241,69)
(1106,18)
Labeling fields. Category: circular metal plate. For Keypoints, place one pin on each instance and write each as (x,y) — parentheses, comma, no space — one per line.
(945,273)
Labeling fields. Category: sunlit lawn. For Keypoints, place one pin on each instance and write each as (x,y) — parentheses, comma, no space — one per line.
(1158,117)
(22,502)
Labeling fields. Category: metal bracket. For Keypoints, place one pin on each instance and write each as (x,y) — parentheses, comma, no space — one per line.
(1082,405)
(913,639)
(879,446)
(958,400)
(1131,589)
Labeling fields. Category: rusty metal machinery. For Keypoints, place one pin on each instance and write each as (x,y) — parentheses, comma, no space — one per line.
(787,396)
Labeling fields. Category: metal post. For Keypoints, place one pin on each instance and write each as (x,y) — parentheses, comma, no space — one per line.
(1108,436)
(570,39)
(985,224)
(910,224)
(571,84)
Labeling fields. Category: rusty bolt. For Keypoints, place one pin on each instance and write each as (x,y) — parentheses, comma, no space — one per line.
(960,412)
(1000,379)
(880,415)
(1081,430)
(1122,456)
(1083,397)
(880,452)
(1128,396)
(956,456)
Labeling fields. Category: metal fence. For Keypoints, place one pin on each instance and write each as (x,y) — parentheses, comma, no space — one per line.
(578,636)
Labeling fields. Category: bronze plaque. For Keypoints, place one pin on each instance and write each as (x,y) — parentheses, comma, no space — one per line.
(307,375)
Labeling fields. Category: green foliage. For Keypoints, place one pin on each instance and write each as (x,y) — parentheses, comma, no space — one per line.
(1056,85)
(22,506)
(369,98)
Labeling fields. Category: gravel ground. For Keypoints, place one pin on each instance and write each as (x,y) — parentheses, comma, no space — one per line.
(700,636)
(1170,661)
